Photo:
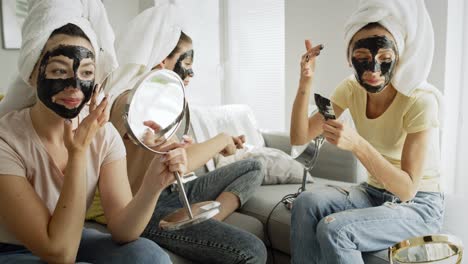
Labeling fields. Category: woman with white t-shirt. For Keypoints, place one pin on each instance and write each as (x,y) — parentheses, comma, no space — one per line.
(54,155)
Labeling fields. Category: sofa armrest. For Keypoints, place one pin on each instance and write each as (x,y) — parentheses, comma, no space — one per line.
(333,163)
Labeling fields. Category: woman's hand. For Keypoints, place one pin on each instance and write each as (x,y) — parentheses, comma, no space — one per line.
(239,141)
(163,167)
(80,139)
(340,135)
(308,60)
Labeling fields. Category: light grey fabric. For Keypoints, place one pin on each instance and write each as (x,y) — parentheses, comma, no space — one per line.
(333,163)
(261,204)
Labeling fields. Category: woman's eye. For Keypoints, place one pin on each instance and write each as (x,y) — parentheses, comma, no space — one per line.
(87,74)
(59,71)
(362,59)
(386,59)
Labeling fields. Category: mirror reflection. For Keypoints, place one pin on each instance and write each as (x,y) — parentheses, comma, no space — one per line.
(156,108)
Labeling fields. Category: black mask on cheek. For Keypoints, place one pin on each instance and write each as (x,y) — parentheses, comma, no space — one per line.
(47,88)
(373,44)
(181,70)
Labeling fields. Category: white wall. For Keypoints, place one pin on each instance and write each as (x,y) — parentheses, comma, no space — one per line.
(323,22)
(8,63)
(203,25)
(120,12)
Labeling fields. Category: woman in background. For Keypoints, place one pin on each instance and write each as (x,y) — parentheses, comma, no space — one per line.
(164,45)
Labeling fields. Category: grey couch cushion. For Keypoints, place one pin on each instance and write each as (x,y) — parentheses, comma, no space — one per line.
(266,197)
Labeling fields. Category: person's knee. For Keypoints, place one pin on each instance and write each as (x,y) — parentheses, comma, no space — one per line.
(146,251)
(253,172)
(255,164)
(331,231)
(311,203)
(254,250)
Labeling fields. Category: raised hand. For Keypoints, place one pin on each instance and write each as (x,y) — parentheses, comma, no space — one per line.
(163,167)
(80,139)
(308,59)
(239,141)
(230,148)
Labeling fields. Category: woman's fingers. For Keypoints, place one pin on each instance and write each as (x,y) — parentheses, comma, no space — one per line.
(187,139)
(171,146)
(93,102)
(334,123)
(331,140)
(308,44)
(313,52)
(178,168)
(328,128)
(327,134)
(175,156)
(153,125)
(68,132)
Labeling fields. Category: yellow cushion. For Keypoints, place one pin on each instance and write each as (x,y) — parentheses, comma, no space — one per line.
(95,212)
(1,96)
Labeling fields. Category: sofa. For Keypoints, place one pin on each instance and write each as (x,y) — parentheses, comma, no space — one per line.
(334,166)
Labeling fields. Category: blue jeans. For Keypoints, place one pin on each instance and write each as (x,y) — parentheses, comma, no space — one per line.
(212,241)
(334,225)
(95,247)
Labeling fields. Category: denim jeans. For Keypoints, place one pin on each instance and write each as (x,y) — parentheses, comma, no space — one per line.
(212,241)
(95,247)
(334,225)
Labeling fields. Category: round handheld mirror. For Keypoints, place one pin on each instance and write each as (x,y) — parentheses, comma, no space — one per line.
(427,249)
(154,112)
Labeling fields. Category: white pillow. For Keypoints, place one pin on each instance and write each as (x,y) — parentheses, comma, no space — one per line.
(278,167)
(234,119)
(209,121)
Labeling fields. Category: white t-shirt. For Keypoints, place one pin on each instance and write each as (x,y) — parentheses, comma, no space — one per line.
(23,154)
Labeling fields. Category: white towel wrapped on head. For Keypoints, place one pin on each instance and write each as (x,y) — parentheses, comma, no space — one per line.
(145,42)
(45,16)
(409,23)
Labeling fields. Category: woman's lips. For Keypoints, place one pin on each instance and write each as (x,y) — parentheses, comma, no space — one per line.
(373,81)
(72,102)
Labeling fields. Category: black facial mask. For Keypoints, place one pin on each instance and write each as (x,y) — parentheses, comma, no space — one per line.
(374,44)
(181,70)
(47,88)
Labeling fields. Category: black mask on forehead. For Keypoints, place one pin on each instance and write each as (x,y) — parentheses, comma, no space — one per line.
(374,44)
(180,69)
(47,88)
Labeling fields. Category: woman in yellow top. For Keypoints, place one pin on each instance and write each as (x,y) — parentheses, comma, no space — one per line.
(396,116)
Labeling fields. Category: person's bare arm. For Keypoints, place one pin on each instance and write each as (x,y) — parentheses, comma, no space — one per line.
(198,154)
(304,128)
(54,238)
(127,217)
(402,182)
